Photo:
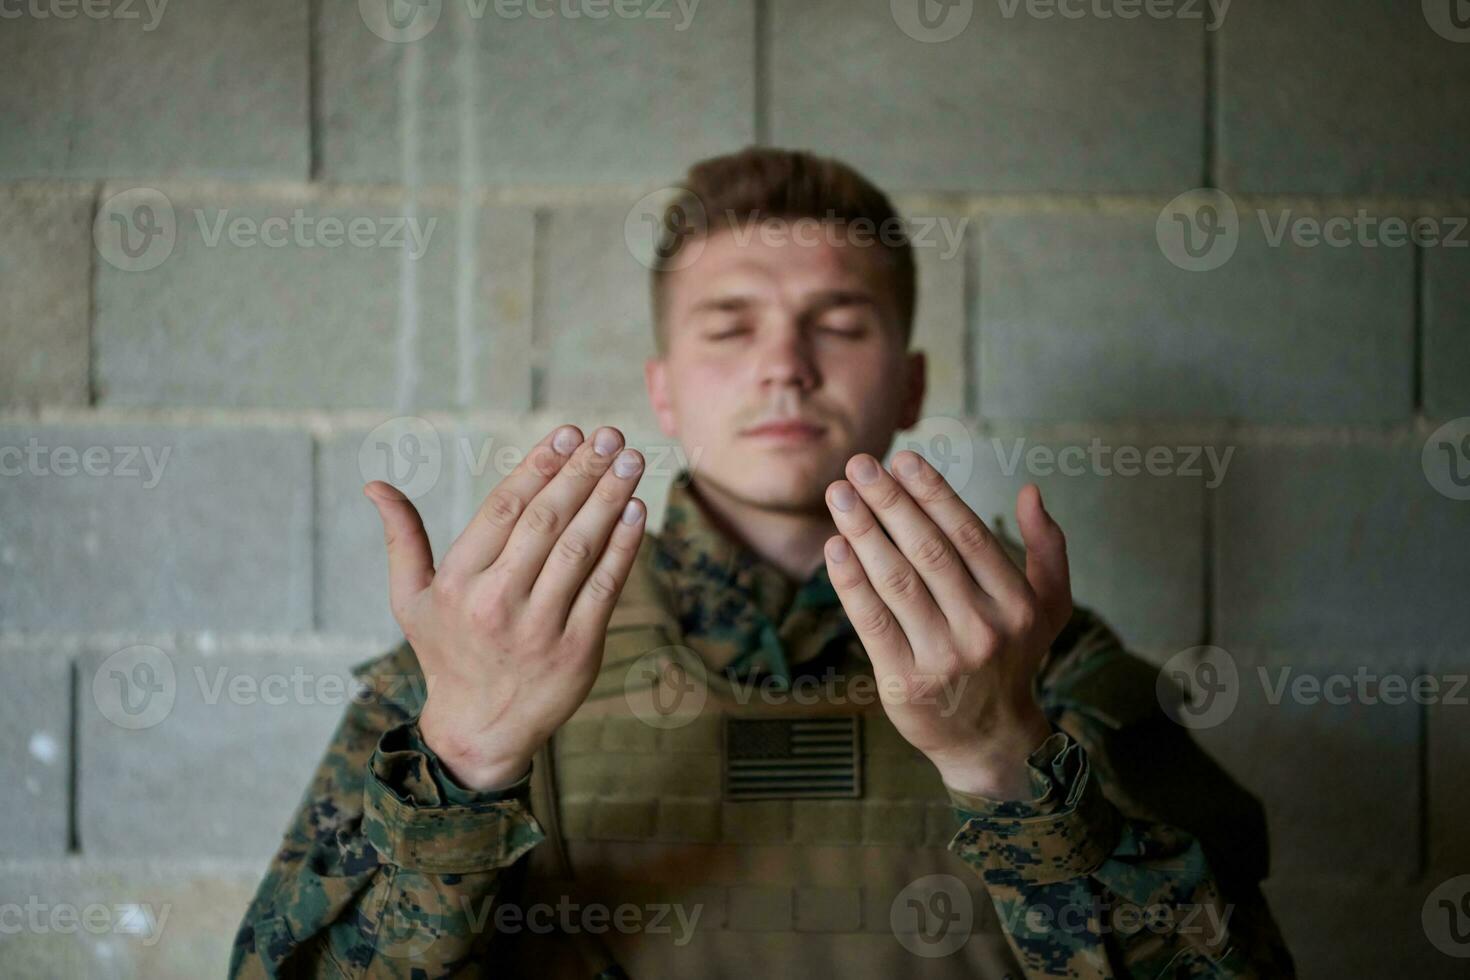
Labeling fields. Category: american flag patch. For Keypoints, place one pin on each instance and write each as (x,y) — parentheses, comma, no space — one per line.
(792,758)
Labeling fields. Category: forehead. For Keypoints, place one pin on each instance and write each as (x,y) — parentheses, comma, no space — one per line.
(790,259)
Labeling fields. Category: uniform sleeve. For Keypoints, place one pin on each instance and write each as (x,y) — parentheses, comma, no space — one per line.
(387,868)
(1113,867)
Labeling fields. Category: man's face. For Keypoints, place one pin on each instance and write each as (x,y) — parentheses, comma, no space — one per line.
(782,328)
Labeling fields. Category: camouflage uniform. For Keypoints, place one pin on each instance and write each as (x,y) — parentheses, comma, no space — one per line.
(387,857)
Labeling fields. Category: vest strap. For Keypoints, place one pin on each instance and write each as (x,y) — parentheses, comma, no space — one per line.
(599,960)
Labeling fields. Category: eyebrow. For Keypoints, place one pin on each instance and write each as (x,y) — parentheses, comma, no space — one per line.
(824,300)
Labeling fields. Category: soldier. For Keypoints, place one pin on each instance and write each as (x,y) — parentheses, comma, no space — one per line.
(826,719)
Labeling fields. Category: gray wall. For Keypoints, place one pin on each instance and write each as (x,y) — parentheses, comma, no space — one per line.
(189,414)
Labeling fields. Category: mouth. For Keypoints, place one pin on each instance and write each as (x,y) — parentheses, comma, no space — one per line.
(786,430)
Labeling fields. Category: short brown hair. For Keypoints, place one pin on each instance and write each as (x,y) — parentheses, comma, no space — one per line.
(765,182)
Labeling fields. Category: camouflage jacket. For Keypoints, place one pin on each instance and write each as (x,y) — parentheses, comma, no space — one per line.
(1133,828)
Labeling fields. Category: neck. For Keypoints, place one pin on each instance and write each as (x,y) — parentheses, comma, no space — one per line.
(791,540)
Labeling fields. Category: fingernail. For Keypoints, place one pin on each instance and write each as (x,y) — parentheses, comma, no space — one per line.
(631,512)
(565,441)
(839,550)
(605,443)
(626,464)
(865,470)
(843,497)
(907,465)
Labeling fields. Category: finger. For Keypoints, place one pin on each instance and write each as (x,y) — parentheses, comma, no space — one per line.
(482,540)
(884,640)
(893,578)
(921,540)
(551,511)
(575,552)
(980,550)
(592,609)
(1046,557)
(410,556)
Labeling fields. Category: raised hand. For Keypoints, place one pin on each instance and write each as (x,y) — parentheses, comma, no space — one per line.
(954,630)
(509,629)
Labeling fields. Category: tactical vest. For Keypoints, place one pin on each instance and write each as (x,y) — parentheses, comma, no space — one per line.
(702,827)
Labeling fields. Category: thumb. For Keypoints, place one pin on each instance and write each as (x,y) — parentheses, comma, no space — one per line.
(410,559)
(1046,557)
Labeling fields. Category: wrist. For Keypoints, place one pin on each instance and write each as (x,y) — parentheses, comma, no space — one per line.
(995,766)
(471,766)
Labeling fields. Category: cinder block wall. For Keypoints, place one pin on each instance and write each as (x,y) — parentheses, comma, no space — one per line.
(215,330)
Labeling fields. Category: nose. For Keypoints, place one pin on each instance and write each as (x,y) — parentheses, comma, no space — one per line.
(785,358)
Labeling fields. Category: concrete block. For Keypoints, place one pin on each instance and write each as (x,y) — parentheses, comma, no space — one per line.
(1339,548)
(1447,331)
(516,96)
(209,89)
(1010,102)
(153,527)
(1082,316)
(79,918)
(1333,759)
(35,722)
(429,307)
(1306,105)
(45,285)
(188,753)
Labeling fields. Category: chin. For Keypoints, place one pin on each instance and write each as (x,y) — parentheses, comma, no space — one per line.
(783,479)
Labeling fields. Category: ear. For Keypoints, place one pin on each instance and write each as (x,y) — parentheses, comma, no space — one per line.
(655,379)
(913,399)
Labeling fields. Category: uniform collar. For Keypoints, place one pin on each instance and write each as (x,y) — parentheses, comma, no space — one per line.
(737,610)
